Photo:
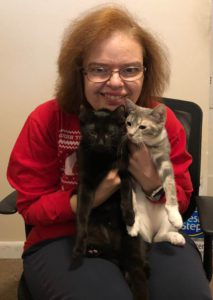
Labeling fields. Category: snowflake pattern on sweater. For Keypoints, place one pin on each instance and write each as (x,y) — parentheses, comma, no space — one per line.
(68,143)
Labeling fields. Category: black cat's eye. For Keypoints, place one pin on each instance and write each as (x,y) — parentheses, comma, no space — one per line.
(142,127)
(93,133)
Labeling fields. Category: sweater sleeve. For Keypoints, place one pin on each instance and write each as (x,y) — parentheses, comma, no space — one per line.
(180,159)
(34,172)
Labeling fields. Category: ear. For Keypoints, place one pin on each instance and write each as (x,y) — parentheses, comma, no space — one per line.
(84,113)
(119,113)
(130,106)
(159,112)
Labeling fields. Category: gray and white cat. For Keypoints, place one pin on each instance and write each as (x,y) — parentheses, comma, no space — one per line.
(154,222)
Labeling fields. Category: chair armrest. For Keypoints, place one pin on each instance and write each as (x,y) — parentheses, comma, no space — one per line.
(8,204)
(205,210)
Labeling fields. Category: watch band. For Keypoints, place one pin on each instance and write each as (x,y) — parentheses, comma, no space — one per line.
(157,194)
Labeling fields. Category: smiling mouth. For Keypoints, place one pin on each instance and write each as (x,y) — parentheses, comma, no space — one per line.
(113,97)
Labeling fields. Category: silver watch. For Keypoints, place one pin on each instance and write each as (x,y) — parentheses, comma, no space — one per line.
(157,194)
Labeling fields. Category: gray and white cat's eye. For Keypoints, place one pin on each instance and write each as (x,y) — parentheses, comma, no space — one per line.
(142,127)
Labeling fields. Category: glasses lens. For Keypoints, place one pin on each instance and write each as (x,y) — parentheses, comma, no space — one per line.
(98,73)
(131,73)
(101,73)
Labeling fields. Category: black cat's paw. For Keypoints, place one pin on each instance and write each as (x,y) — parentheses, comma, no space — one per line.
(77,257)
(76,260)
(92,251)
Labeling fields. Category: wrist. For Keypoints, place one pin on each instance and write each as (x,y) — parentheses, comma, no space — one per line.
(156,195)
(150,184)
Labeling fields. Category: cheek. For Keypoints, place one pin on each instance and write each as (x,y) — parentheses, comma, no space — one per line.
(92,94)
(136,89)
(89,93)
(90,90)
(87,89)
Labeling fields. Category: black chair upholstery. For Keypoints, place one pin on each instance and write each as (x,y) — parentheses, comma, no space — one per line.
(8,204)
(8,207)
(190,115)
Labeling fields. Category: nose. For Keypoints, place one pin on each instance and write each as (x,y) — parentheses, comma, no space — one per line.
(115,79)
(130,134)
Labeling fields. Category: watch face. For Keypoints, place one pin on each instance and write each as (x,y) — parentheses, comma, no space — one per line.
(157,194)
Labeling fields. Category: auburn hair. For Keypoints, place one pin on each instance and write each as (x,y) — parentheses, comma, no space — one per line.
(98,25)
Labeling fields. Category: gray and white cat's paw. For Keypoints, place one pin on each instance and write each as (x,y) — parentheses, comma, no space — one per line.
(174,216)
(132,230)
(176,238)
(173,237)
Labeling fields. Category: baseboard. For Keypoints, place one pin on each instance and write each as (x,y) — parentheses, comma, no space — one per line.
(11,249)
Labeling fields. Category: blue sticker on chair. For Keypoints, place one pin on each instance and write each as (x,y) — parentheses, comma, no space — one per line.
(192,226)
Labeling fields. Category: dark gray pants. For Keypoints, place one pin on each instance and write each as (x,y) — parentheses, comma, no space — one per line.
(176,273)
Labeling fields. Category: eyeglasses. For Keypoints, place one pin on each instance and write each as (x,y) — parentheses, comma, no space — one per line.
(98,73)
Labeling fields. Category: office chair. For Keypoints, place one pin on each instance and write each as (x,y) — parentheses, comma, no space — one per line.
(190,115)
(8,207)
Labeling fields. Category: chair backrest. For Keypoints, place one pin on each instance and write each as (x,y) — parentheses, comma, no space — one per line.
(191,116)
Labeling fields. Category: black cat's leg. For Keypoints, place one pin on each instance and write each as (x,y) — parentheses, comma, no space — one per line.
(136,266)
(126,199)
(84,207)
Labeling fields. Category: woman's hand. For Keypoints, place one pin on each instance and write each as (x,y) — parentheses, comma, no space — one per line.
(106,188)
(143,169)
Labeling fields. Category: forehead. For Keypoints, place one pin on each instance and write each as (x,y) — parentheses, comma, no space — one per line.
(120,48)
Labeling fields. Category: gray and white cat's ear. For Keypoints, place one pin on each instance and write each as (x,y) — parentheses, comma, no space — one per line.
(130,106)
(159,112)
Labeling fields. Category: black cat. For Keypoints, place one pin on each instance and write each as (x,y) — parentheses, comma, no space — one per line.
(102,231)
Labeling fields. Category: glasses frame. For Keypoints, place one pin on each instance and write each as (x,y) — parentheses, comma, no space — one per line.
(86,72)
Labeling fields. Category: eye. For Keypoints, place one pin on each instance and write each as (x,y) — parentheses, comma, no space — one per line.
(129,123)
(142,127)
(93,133)
(98,70)
(107,135)
(130,71)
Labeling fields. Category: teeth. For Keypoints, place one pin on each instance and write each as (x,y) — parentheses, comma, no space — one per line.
(113,97)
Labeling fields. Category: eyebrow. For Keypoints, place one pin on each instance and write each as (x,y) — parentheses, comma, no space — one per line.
(134,63)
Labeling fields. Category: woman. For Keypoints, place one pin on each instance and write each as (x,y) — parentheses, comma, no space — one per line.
(42,166)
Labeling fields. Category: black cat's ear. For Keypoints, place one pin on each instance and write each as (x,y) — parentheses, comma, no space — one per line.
(85,113)
(159,112)
(130,106)
(82,113)
(120,113)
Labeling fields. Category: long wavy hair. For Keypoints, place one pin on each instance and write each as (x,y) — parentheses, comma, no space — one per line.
(98,25)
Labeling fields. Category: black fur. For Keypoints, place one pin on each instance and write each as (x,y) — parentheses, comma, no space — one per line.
(101,232)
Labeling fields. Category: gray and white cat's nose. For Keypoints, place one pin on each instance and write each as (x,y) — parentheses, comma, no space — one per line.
(130,134)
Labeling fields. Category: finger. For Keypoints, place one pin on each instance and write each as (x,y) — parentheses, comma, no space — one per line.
(135,148)
(112,174)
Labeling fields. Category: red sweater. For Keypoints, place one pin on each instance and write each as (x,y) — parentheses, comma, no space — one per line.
(42,168)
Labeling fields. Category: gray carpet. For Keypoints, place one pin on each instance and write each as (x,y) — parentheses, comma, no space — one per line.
(10,272)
